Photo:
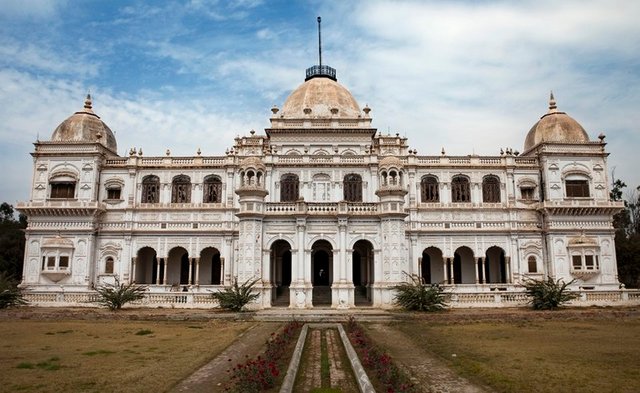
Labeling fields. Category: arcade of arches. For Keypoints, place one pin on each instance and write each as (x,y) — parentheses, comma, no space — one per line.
(322,272)
(464,267)
(178,268)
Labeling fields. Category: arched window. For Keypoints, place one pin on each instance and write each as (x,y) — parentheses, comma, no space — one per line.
(150,189)
(460,189)
(181,189)
(212,189)
(108,266)
(533,264)
(289,188)
(352,188)
(491,189)
(429,191)
(321,187)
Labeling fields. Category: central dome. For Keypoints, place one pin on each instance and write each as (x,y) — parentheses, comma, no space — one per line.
(320,97)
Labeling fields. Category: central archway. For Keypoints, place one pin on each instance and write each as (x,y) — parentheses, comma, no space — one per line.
(321,272)
(280,272)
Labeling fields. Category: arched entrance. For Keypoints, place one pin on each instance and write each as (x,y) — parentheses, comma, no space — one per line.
(210,268)
(464,266)
(432,266)
(321,272)
(362,272)
(147,271)
(495,266)
(280,272)
(179,269)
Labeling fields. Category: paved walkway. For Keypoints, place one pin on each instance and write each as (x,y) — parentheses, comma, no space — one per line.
(426,370)
(213,376)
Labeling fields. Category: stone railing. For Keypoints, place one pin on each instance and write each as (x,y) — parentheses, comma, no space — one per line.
(151,300)
(487,299)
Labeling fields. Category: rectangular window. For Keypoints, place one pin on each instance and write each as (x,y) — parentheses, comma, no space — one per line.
(64,262)
(51,262)
(577,262)
(113,193)
(588,262)
(63,190)
(527,194)
(577,188)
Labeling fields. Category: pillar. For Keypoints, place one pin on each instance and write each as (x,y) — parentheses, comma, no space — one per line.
(484,271)
(477,265)
(197,280)
(507,267)
(164,268)
(134,262)
(158,270)
(190,279)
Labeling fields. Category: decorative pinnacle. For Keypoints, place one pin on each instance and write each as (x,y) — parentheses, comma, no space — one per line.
(552,103)
(87,102)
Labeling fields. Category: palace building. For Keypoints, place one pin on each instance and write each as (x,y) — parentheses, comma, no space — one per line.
(321,208)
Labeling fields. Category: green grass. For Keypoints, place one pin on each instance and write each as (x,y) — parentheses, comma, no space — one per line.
(107,355)
(600,355)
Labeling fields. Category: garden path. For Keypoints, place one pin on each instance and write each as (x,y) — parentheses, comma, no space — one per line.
(213,376)
(427,372)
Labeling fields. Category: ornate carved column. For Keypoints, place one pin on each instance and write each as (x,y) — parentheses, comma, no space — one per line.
(158,270)
(445,269)
(190,281)
(507,267)
(477,266)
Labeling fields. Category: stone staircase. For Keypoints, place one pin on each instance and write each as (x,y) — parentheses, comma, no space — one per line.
(321,296)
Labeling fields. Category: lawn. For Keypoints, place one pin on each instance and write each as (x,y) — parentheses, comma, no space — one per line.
(538,355)
(107,355)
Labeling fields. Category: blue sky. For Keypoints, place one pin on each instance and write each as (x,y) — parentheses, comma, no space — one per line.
(471,77)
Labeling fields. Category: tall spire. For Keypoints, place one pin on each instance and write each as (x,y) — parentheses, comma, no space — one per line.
(320,70)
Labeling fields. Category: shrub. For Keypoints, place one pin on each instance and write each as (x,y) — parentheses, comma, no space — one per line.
(378,362)
(548,294)
(416,296)
(261,373)
(116,295)
(236,297)
(10,294)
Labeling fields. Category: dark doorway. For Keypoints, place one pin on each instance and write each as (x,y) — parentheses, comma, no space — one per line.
(321,272)
(216,269)
(457,269)
(280,273)
(184,269)
(425,269)
(321,268)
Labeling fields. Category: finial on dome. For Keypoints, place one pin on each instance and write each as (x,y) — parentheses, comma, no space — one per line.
(552,103)
(87,102)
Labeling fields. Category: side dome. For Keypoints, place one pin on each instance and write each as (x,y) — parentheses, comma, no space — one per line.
(555,126)
(320,97)
(85,126)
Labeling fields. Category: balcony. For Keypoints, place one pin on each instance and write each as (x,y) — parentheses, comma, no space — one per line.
(321,208)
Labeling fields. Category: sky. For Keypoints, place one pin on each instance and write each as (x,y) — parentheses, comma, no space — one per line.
(471,77)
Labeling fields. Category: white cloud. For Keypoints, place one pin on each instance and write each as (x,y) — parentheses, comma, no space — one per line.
(38,9)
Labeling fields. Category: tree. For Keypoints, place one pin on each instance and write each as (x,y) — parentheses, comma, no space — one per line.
(11,241)
(10,294)
(627,226)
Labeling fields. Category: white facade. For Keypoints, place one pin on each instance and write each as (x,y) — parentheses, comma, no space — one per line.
(322,208)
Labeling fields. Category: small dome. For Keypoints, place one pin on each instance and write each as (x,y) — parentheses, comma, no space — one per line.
(320,97)
(390,162)
(85,126)
(555,126)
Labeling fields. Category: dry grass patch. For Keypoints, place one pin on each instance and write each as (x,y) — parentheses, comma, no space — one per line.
(599,355)
(107,355)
